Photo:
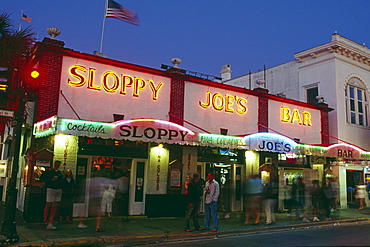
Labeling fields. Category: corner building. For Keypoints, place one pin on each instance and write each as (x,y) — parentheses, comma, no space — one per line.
(161,126)
(337,72)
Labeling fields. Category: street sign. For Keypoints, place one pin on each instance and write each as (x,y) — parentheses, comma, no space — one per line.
(6,113)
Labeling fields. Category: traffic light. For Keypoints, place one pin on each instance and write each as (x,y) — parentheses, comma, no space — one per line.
(5,79)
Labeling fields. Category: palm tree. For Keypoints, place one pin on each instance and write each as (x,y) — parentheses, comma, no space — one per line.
(15,51)
(14,45)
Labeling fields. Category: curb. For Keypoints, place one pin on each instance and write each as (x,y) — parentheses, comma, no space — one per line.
(172,237)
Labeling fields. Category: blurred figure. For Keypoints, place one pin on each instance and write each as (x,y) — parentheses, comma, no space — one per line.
(187,182)
(315,193)
(335,188)
(201,185)
(54,183)
(270,196)
(361,194)
(327,200)
(212,191)
(253,191)
(193,202)
(98,185)
(66,205)
(122,193)
(298,197)
(109,193)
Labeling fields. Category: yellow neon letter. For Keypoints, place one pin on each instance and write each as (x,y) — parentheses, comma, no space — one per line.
(105,85)
(90,83)
(208,101)
(296,117)
(229,103)
(241,102)
(306,118)
(155,89)
(127,81)
(81,79)
(137,87)
(214,99)
(284,114)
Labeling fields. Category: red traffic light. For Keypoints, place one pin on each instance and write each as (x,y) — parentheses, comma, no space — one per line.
(35,74)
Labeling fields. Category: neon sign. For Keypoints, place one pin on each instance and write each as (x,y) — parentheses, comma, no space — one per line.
(45,127)
(220,140)
(111,82)
(343,150)
(270,142)
(295,116)
(159,129)
(228,103)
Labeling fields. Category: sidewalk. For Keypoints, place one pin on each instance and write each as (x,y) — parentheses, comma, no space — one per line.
(140,229)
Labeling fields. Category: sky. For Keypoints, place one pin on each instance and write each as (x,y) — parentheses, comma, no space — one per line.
(205,34)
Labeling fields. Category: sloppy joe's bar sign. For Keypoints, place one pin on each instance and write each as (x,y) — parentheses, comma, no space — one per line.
(270,142)
(148,130)
(111,82)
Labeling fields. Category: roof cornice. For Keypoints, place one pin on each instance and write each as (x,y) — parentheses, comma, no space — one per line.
(339,45)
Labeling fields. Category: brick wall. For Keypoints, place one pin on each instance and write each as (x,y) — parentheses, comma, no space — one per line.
(50,65)
(263,114)
(177,96)
(324,127)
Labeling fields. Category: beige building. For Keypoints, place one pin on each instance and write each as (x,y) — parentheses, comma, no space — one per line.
(338,73)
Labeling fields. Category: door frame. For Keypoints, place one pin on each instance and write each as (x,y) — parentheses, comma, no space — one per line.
(85,205)
(137,208)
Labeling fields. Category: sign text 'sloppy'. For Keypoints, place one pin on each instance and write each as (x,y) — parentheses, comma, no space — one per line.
(111,82)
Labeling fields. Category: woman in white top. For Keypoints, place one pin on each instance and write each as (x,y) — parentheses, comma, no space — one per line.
(360,194)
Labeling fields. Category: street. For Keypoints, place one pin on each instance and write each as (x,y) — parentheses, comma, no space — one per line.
(354,234)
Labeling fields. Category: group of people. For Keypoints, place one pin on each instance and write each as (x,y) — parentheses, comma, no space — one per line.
(106,191)
(259,197)
(59,196)
(195,190)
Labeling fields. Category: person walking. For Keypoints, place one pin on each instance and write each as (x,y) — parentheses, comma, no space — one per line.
(192,205)
(270,195)
(361,194)
(66,204)
(315,193)
(122,194)
(253,191)
(298,197)
(212,190)
(53,180)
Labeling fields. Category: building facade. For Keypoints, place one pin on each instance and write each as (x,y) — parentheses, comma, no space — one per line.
(160,126)
(338,73)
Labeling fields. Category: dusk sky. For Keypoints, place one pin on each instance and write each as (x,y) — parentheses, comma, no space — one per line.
(205,34)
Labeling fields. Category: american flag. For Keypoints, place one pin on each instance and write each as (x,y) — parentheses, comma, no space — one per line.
(26,18)
(117,11)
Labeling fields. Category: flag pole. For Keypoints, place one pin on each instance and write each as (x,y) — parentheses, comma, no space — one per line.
(102,30)
(20,21)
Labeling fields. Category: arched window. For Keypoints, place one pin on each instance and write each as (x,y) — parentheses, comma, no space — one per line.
(357,105)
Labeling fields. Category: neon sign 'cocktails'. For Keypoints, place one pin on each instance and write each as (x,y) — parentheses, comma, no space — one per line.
(111,82)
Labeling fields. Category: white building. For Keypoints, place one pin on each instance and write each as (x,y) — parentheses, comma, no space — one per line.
(339,72)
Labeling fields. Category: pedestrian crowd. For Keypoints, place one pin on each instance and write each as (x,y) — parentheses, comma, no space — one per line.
(109,195)
(107,191)
(308,202)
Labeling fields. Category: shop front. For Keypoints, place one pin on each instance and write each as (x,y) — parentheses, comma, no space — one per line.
(161,126)
(141,149)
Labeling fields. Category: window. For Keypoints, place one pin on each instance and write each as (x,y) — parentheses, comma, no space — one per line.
(311,93)
(356,103)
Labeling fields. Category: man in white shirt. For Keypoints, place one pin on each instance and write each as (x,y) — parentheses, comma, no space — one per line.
(212,190)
